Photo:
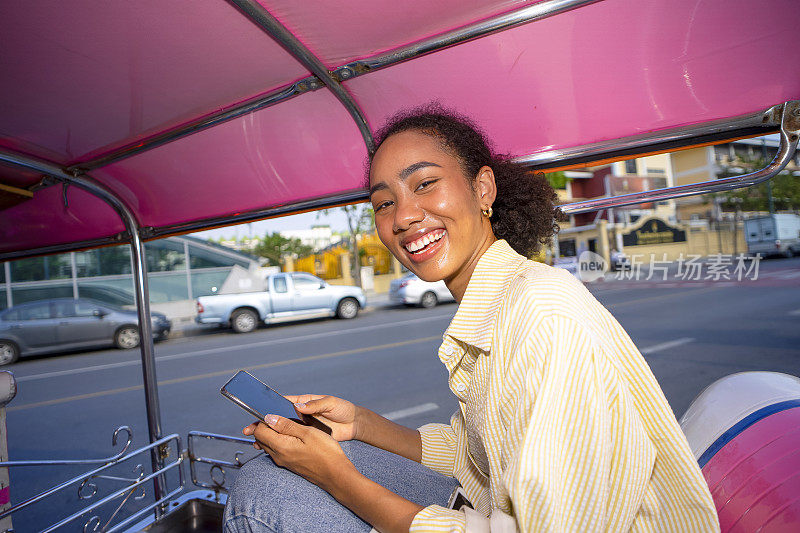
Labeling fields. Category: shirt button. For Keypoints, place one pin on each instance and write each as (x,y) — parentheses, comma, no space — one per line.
(461,387)
(448,350)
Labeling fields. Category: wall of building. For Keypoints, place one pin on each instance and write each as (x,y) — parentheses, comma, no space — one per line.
(179,268)
(699,241)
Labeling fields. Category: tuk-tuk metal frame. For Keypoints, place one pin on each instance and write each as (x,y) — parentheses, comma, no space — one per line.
(784,117)
(322,77)
(789,116)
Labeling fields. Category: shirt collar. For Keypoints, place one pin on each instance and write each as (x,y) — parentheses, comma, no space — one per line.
(474,320)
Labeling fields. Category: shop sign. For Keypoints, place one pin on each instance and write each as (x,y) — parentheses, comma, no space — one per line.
(653,231)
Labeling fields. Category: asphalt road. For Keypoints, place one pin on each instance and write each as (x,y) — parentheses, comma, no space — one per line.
(68,405)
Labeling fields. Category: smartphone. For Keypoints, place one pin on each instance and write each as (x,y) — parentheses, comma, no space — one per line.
(258,399)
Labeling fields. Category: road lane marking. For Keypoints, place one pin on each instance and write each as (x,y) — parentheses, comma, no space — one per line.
(796,312)
(411,411)
(272,342)
(660,297)
(220,373)
(666,345)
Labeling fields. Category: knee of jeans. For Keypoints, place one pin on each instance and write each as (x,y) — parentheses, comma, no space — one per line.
(245,524)
(244,510)
(266,497)
(251,484)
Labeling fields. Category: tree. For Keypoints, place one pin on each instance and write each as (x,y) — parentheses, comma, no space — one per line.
(274,246)
(785,190)
(360,218)
(558,180)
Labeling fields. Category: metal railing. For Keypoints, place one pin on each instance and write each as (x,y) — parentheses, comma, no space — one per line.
(789,134)
(217,472)
(132,488)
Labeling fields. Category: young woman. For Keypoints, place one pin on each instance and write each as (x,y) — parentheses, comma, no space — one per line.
(561,425)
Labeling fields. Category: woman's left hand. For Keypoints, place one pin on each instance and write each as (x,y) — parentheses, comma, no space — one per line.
(304,450)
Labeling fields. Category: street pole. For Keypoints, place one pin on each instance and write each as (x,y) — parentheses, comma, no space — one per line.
(718,216)
(769,181)
(736,215)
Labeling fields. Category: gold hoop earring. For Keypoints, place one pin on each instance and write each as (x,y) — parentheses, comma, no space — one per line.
(487,212)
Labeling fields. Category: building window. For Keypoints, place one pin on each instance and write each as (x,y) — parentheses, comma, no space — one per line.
(201,257)
(630,166)
(165,255)
(566,248)
(110,261)
(41,268)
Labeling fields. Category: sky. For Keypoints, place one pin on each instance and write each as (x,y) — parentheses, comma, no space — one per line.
(335,219)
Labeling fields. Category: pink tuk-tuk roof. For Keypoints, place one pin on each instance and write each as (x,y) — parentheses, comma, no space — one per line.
(199,113)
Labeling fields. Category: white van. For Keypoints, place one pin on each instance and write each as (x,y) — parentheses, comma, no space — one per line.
(777,234)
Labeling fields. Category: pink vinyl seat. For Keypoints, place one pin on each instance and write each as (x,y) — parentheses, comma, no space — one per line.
(745,432)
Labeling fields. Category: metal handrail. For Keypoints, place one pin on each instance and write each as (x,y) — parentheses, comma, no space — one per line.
(264,20)
(752,122)
(154,446)
(141,288)
(470,32)
(518,17)
(311,83)
(59,462)
(659,140)
(790,132)
(219,464)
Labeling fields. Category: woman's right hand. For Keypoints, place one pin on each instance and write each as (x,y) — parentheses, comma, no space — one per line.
(339,415)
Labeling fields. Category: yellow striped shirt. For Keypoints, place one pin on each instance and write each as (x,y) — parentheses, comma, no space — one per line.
(561,425)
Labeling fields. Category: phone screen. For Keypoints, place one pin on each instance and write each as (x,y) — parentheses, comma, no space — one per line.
(256,397)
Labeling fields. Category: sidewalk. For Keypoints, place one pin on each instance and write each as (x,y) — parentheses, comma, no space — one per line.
(183,324)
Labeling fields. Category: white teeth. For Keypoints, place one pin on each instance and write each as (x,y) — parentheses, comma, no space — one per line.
(424,241)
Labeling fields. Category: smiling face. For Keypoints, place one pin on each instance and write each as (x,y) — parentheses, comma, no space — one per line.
(426,212)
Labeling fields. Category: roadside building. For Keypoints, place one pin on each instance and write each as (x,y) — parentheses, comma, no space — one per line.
(179,269)
(694,225)
(318,237)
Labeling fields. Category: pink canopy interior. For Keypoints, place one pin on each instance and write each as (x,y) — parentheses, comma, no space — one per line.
(83,79)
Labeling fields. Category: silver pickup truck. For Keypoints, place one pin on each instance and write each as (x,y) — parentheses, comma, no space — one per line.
(290,296)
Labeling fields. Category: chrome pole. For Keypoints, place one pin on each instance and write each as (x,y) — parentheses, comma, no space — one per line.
(270,25)
(790,132)
(140,288)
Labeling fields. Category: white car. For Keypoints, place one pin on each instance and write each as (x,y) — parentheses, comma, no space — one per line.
(411,290)
(570,264)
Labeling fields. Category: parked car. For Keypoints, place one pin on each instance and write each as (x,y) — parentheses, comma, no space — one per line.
(67,323)
(411,290)
(292,296)
(777,234)
(570,264)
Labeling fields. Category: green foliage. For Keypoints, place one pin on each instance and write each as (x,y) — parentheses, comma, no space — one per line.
(360,219)
(274,246)
(558,180)
(785,191)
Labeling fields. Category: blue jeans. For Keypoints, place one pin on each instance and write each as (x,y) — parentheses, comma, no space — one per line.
(271,499)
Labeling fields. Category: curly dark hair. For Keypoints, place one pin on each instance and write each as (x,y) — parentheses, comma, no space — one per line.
(525,213)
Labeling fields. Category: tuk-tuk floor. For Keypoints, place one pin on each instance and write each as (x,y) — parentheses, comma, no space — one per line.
(198,511)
